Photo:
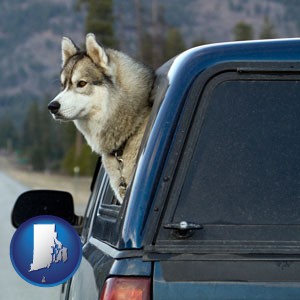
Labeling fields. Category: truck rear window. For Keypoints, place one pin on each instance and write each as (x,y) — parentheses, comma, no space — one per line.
(246,165)
(242,181)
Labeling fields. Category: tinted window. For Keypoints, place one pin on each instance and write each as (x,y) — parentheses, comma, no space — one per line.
(246,166)
(239,174)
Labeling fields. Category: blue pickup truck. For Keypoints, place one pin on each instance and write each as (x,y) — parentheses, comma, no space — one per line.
(213,211)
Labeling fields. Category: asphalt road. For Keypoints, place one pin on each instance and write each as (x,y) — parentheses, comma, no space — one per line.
(11,285)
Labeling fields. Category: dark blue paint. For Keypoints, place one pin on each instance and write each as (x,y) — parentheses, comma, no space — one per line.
(181,75)
(213,290)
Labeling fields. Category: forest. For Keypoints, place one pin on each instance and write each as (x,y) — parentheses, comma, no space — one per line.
(43,144)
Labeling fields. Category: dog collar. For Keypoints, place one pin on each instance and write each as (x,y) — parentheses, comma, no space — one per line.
(119,152)
(118,155)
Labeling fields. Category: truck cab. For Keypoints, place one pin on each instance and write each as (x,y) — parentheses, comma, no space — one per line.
(213,211)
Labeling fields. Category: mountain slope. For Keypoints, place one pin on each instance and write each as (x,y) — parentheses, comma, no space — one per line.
(31,31)
(30,35)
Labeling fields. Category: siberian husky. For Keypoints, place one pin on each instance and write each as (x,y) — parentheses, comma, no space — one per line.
(106,94)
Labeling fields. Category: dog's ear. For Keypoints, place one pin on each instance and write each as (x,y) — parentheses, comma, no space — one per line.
(96,52)
(68,49)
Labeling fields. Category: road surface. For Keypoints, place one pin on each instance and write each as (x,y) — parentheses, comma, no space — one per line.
(11,285)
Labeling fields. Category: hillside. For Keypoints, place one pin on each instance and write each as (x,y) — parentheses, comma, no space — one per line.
(217,18)
(30,35)
(213,20)
(31,31)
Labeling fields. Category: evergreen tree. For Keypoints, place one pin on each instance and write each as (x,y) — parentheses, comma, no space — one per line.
(243,31)
(174,43)
(157,33)
(146,50)
(30,127)
(268,31)
(32,137)
(86,160)
(37,158)
(41,141)
(150,33)
(52,139)
(8,135)
(100,20)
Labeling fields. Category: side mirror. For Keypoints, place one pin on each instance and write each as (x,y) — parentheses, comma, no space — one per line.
(44,202)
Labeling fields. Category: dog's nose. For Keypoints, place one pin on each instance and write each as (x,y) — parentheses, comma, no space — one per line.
(54,107)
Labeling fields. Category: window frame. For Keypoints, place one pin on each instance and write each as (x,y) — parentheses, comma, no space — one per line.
(105,220)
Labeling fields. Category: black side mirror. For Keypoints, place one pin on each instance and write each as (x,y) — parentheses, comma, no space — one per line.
(44,202)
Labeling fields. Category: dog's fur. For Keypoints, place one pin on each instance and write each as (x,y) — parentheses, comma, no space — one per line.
(106,94)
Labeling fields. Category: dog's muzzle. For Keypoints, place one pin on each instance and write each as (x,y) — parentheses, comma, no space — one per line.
(54,107)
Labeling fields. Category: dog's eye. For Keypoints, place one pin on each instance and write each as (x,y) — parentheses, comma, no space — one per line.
(81,84)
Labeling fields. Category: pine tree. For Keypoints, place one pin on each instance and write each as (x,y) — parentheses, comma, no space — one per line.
(85,161)
(243,31)
(8,134)
(32,137)
(174,43)
(41,141)
(268,31)
(30,133)
(100,20)
(157,36)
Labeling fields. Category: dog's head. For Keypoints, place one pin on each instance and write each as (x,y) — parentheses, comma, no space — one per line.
(85,76)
